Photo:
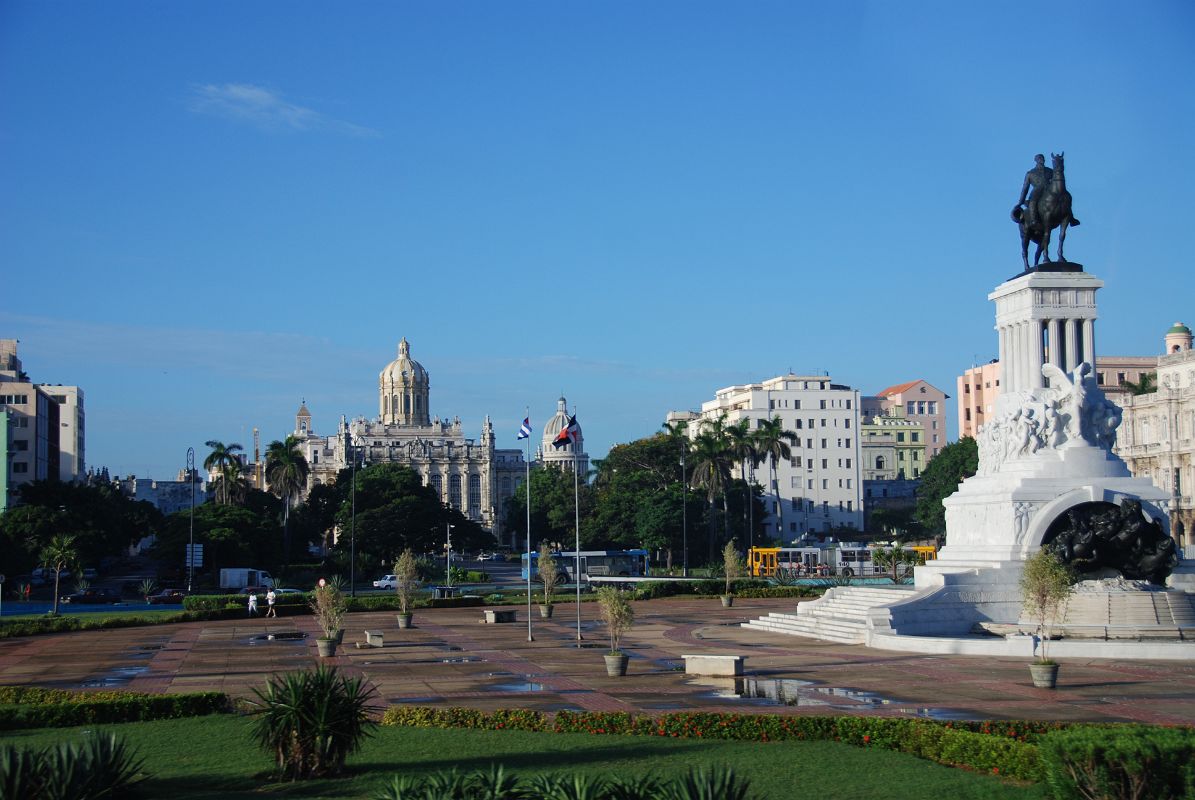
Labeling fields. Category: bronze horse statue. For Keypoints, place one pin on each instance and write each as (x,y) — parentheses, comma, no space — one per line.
(1053,205)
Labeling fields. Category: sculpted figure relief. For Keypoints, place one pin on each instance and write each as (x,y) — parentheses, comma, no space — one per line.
(1071,413)
(1100,536)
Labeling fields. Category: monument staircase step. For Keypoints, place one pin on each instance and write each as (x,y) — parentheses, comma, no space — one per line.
(839,616)
(1131,609)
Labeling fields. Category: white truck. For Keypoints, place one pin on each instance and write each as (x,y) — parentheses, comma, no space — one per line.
(242,577)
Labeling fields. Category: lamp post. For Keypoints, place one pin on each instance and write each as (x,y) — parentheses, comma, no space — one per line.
(191,551)
(684,483)
(448,559)
(353,532)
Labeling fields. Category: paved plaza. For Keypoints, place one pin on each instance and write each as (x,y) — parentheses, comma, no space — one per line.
(451,658)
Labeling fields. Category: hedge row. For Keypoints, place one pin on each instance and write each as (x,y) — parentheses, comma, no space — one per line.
(48,708)
(747,587)
(63,624)
(934,741)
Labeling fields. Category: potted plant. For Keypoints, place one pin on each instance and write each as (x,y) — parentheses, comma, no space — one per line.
(1046,584)
(406,583)
(618,616)
(328,605)
(549,576)
(733,566)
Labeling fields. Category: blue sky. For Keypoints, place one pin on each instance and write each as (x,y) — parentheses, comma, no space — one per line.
(210,211)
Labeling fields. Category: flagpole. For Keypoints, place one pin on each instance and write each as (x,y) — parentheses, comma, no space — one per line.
(527,467)
(577,513)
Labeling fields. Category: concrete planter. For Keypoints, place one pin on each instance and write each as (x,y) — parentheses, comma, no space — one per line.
(404,620)
(545,611)
(727,600)
(326,646)
(339,636)
(616,664)
(1045,676)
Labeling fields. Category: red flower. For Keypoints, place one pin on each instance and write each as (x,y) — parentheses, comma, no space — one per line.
(866,739)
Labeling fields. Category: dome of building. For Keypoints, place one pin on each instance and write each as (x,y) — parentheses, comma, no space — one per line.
(403,390)
(1178,327)
(557,423)
(404,367)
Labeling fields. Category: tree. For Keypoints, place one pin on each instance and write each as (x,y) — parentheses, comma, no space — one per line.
(396,511)
(773,442)
(711,472)
(955,463)
(60,554)
(286,474)
(553,515)
(232,536)
(893,560)
(744,446)
(1147,384)
(895,522)
(222,458)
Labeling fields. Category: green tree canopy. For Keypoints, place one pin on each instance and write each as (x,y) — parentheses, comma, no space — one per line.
(232,536)
(553,515)
(395,511)
(955,463)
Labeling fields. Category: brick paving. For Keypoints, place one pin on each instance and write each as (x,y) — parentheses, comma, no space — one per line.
(450,658)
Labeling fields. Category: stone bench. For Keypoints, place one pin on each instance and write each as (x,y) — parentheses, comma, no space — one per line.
(493,615)
(373,638)
(714,665)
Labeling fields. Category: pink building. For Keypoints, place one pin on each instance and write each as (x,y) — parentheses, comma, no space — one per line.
(922,403)
(977,390)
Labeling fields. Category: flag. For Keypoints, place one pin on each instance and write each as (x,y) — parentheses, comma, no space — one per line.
(525,428)
(569,435)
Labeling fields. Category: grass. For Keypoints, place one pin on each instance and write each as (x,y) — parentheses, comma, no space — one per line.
(213,757)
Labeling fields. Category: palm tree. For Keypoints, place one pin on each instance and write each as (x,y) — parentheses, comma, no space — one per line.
(711,471)
(59,554)
(286,474)
(221,459)
(744,447)
(1148,384)
(773,443)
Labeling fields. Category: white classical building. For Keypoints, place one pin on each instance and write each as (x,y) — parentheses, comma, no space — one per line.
(1157,435)
(821,487)
(472,475)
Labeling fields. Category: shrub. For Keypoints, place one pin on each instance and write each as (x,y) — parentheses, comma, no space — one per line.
(1046,584)
(312,721)
(27,707)
(497,784)
(616,613)
(329,606)
(733,565)
(1123,761)
(101,766)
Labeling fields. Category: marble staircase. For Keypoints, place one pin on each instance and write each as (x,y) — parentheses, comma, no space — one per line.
(838,616)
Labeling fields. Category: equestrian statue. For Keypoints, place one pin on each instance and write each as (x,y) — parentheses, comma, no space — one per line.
(1045,204)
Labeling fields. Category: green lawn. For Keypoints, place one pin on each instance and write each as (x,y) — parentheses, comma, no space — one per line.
(213,757)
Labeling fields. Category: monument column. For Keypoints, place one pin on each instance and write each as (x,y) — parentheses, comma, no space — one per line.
(1072,350)
(1036,381)
(1014,358)
(1089,341)
(1055,333)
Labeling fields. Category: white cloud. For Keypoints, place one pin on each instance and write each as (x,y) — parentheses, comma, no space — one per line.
(266,109)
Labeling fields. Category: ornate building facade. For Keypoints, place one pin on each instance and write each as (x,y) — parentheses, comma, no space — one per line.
(1157,435)
(472,475)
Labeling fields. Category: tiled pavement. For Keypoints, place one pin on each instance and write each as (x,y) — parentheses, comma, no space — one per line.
(450,658)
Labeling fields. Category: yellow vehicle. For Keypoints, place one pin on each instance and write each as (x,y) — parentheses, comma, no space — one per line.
(925,552)
(763,562)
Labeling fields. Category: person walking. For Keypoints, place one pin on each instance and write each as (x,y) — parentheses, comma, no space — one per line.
(270,598)
(253,604)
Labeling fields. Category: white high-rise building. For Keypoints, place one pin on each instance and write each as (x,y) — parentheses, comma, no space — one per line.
(819,489)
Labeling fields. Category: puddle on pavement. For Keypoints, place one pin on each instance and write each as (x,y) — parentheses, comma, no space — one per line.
(449,660)
(280,636)
(515,686)
(793,692)
(117,677)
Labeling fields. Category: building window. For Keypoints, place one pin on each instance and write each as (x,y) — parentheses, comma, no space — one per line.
(475,497)
(825,483)
(911,408)
(437,484)
(20,468)
(900,437)
(933,406)
(825,463)
(454,491)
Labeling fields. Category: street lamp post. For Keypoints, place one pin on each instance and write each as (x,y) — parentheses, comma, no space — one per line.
(353,533)
(191,552)
(448,559)
(684,482)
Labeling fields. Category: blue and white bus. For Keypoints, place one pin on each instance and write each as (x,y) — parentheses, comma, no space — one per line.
(597,563)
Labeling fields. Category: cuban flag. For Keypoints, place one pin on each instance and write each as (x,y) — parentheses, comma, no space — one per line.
(525,428)
(569,435)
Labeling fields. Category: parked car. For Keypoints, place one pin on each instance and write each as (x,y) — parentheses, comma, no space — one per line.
(386,582)
(97,596)
(493,557)
(288,591)
(167,596)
